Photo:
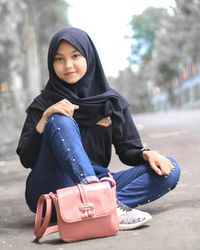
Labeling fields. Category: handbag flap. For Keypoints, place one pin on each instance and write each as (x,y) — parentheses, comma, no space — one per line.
(100,201)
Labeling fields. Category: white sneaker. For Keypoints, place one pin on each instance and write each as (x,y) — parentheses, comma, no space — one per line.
(131,218)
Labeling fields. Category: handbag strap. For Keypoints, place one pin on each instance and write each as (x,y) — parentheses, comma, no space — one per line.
(41,227)
(109,179)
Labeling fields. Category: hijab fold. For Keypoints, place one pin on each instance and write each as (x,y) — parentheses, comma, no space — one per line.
(92,93)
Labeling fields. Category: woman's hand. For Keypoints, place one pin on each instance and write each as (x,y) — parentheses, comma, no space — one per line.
(63,107)
(159,163)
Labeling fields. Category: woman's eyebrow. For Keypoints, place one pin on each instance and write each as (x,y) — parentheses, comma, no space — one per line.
(73,51)
(59,54)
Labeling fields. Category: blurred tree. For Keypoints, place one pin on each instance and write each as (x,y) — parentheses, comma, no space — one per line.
(42,19)
(128,84)
(166,44)
(165,65)
(46,17)
(25,31)
(11,56)
(188,20)
(11,16)
(177,45)
(144,28)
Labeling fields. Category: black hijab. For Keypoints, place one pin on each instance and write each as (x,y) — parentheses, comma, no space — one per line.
(92,93)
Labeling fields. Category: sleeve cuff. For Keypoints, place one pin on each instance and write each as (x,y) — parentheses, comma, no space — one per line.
(89,179)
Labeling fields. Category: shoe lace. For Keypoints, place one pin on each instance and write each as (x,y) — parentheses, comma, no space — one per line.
(123,207)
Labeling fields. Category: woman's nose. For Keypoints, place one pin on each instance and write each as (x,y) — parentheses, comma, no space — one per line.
(68,64)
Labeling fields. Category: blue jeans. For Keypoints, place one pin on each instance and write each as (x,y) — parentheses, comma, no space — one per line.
(63,162)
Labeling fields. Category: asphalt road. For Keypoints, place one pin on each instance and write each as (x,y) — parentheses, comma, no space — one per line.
(176,217)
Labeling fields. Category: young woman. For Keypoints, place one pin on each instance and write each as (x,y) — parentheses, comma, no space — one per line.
(71,126)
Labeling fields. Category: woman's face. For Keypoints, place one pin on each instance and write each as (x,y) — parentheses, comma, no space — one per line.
(69,64)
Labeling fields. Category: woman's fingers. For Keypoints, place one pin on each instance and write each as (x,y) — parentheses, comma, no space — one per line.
(69,107)
(159,163)
(154,166)
(64,107)
(167,167)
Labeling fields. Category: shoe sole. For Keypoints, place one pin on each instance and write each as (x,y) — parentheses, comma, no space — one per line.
(123,227)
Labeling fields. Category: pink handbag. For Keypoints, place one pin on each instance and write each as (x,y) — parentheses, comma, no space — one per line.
(83,211)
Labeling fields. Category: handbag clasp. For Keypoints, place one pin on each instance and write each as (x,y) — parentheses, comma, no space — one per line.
(87,210)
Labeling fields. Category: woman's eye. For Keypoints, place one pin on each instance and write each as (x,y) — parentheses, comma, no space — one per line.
(76,55)
(58,59)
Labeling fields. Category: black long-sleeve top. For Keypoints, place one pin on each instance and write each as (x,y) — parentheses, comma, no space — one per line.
(97,141)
